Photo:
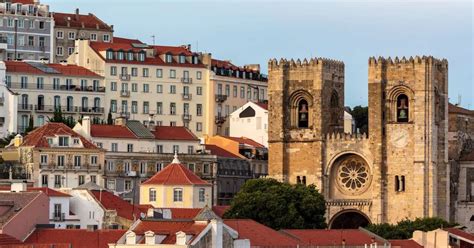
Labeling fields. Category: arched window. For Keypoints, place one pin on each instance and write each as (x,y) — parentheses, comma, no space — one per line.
(303,115)
(298,179)
(402,108)
(334,100)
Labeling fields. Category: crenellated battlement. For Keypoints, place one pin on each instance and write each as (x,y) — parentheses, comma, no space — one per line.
(274,64)
(345,136)
(373,61)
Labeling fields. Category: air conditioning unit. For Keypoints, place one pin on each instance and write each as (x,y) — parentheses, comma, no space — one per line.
(132,173)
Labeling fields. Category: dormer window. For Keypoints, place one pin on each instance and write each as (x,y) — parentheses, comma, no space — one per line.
(18,7)
(141,56)
(8,6)
(109,54)
(130,56)
(182,59)
(168,58)
(195,60)
(237,74)
(63,141)
(250,75)
(120,55)
(76,141)
(31,9)
(50,141)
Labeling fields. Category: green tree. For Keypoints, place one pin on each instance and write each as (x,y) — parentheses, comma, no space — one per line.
(6,140)
(361,117)
(110,121)
(58,117)
(279,205)
(30,125)
(404,229)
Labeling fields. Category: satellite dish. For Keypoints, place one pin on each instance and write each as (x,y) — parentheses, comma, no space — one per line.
(142,215)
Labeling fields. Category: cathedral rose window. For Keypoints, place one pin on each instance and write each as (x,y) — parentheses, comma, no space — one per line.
(353,175)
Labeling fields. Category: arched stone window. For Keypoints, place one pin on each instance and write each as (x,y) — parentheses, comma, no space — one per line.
(334,108)
(300,104)
(402,108)
(334,100)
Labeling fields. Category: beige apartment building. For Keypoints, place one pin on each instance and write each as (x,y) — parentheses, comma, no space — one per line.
(157,85)
(71,26)
(44,88)
(231,87)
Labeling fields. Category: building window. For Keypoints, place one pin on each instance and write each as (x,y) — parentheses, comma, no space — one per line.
(82,179)
(400,183)
(110,166)
(205,169)
(43,159)
(41,25)
(93,37)
(159,73)
(75,141)
(94,160)
(94,179)
(70,50)
(199,109)
(57,181)
(134,72)
(113,106)
(129,147)
(159,149)
(71,35)
(128,185)
(172,108)
(159,167)
(242,92)
(175,148)
(199,126)
(168,58)
(146,72)
(172,73)
(199,75)
(134,107)
(172,89)
(113,70)
(63,141)
(59,50)
(191,167)
(114,147)
(235,92)
(178,195)
(143,166)
(199,90)
(60,35)
(44,180)
(190,149)
(106,38)
(159,108)
(134,87)
(303,119)
(146,107)
(111,184)
(402,108)
(146,88)
(113,86)
(202,194)
(77,161)
(152,195)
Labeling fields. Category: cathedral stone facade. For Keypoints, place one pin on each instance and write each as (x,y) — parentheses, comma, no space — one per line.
(396,171)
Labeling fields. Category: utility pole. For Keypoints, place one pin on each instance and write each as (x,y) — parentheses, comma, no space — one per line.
(153,39)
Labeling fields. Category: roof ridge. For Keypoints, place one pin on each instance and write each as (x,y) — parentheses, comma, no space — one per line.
(185,173)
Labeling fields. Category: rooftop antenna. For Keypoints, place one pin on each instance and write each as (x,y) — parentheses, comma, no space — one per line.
(153,39)
(459,99)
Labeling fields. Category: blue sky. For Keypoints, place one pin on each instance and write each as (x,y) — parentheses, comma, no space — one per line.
(254,31)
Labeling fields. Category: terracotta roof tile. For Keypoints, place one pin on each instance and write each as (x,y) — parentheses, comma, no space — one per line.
(404,243)
(245,141)
(228,65)
(111,131)
(71,20)
(173,133)
(220,152)
(77,238)
(6,239)
(176,174)
(126,40)
(460,233)
(12,201)
(260,235)
(37,137)
(65,70)
(220,210)
(112,202)
(262,105)
(47,191)
(169,228)
(320,237)
(184,213)
(459,110)
(24,1)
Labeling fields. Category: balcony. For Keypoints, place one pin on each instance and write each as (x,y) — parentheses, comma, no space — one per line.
(71,167)
(93,110)
(186,117)
(220,119)
(125,115)
(70,87)
(125,77)
(186,96)
(59,216)
(185,80)
(69,109)
(221,98)
(125,93)
(44,108)
(25,107)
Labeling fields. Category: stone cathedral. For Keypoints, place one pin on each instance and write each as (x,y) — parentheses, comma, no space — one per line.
(396,171)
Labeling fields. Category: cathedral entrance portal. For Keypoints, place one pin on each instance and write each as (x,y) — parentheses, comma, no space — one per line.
(351,219)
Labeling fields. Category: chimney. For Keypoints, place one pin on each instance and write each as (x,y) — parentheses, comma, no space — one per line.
(18,140)
(253,67)
(130,238)
(150,213)
(18,187)
(181,238)
(217,233)
(150,238)
(77,14)
(121,121)
(86,125)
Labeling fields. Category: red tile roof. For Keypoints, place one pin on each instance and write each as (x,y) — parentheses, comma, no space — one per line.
(72,20)
(174,50)
(65,70)
(24,1)
(169,228)
(228,65)
(126,40)
(6,239)
(215,150)
(245,141)
(262,105)
(112,202)
(459,110)
(220,210)
(47,191)
(184,213)
(37,137)
(77,238)
(260,235)
(173,133)
(320,237)
(176,174)
(111,131)
(461,233)
(404,243)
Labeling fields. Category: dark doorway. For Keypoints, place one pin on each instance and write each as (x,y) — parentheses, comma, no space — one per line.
(349,220)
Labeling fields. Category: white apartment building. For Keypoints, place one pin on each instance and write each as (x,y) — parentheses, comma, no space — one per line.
(231,87)
(157,85)
(251,121)
(28,28)
(44,88)
(8,106)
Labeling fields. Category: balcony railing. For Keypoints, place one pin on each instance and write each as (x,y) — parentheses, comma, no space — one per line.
(220,119)
(186,96)
(186,80)
(125,93)
(125,115)
(25,107)
(3,39)
(72,87)
(59,216)
(68,109)
(125,77)
(186,117)
(221,98)
(70,167)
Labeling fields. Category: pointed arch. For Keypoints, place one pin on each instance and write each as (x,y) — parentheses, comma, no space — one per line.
(300,107)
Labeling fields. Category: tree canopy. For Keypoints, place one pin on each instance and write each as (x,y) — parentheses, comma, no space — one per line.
(279,205)
(404,229)
(58,117)
(361,117)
